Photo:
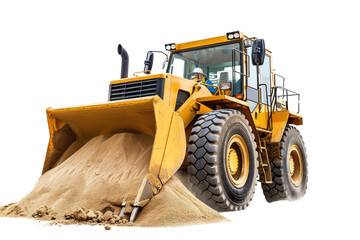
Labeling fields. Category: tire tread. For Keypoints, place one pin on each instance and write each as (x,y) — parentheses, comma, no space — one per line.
(278,190)
(205,175)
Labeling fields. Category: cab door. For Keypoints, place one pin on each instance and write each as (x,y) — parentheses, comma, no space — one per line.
(258,90)
(265,92)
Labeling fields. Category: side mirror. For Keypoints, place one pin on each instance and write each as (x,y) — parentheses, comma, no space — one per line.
(258,52)
(148,62)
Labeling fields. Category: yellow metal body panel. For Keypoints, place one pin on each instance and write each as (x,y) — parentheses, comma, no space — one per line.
(224,101)
(191,106)
(260,116)
(174,85)
(279,119)
(295,119)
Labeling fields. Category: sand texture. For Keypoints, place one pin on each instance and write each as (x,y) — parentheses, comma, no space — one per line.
(89,182)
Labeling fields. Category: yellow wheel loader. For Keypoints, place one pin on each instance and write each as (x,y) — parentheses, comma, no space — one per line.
(219,111)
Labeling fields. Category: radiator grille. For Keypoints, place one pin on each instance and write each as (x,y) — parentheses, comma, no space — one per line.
(143,88)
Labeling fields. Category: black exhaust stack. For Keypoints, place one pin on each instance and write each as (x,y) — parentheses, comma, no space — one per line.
(124,61)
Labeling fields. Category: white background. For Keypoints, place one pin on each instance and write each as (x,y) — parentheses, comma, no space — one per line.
(55,53)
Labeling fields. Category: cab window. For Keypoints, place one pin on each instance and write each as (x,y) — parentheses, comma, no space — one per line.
(178,67)
(216,62)
(265,78)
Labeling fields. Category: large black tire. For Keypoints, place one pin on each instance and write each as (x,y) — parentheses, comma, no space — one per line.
(282,186)
(206,154)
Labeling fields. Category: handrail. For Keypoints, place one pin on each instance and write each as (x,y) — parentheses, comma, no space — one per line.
(283,79)
(247,65)
(241,73)
(287,96)
(214,86)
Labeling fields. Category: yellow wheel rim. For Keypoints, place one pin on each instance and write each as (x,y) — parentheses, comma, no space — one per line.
(237,161)
(295,165)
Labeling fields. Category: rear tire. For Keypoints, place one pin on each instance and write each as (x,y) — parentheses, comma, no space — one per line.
(289,174)
(223,160)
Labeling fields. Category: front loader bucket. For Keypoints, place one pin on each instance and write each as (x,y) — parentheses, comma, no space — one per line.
(149,115)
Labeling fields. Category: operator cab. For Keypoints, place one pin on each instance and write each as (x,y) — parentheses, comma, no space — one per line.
(215,61)
(239,66)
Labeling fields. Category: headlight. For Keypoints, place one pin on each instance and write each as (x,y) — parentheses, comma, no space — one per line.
(233,35)
(170,46)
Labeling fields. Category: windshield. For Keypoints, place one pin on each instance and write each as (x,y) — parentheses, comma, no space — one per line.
(216,64)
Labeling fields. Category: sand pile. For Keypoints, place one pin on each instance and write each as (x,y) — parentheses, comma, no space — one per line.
(89,183)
